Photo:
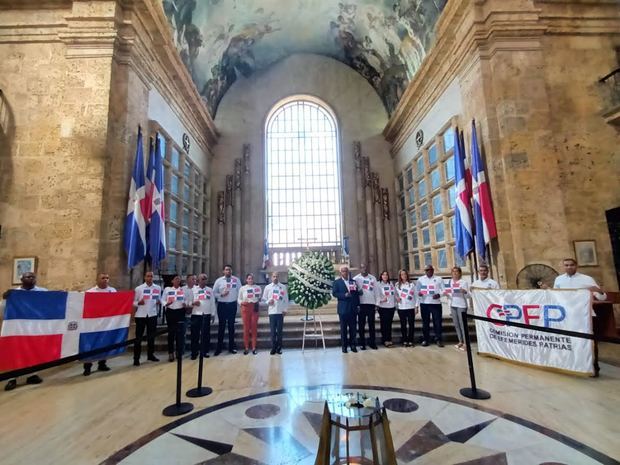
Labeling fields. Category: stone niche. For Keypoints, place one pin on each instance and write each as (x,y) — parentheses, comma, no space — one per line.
(75,80)
(527,72)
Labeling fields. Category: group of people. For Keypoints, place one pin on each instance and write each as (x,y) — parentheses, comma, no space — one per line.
(359,297)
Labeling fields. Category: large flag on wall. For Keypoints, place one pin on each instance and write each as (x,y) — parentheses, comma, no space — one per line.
(462,210)
(483,210)
(41,327)
(135,223)
(157,228)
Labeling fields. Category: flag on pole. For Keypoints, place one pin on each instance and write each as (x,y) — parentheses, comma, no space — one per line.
(266,260)
(41,327)
(462,210)
(483,210)
(467,170)
(157,229)
(345,247)
(135,223)
(149,186)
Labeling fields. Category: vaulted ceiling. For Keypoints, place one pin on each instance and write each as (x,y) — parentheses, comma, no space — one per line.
(383,40)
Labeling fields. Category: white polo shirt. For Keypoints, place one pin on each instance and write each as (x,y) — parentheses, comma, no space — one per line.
(151,296)
(577,281)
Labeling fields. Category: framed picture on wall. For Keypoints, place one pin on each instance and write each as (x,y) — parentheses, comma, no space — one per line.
(585,253)
(23,265)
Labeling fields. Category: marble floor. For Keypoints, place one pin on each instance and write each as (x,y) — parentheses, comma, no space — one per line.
(267,409)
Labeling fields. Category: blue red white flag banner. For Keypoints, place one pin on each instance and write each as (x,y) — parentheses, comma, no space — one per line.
(568,310)
(41,327)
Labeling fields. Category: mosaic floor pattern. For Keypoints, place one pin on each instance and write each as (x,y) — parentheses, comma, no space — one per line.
(281,428)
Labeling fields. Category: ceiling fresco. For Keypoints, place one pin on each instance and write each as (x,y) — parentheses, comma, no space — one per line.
(383,40)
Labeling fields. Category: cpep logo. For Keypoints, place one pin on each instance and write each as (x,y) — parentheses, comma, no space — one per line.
(527,313)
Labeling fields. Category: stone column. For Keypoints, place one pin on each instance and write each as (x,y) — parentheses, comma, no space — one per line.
(237,217)
(370,216)
(221,221)
(246,192)
(376,197)
(362,234)
(228,225)
(385,209)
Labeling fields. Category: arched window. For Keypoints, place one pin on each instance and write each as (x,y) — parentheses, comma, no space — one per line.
(303,178)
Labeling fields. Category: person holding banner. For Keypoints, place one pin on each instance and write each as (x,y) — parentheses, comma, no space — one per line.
(249,295)
(429,288)
(366,284)
(103,280)
(405,296)
(457,290)
(29,283)
(276,297)
(345,290)
(177,301)
(147,297)
(203,312)
(226,291)
(484,282)
(573,280)
(386,306)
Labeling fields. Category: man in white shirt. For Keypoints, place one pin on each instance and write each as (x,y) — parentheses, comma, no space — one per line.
(103,280)
(275,296)
(203,313)
(429,289)
(573,280)
(484,282)
(226,291)
(29,283)
(366,284)
(147,297)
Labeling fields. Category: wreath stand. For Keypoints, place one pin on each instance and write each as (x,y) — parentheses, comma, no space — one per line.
(311,332)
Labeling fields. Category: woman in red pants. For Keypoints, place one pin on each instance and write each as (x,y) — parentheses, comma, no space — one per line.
(249,295)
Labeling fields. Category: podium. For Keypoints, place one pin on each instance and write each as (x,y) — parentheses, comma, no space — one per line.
(310,331)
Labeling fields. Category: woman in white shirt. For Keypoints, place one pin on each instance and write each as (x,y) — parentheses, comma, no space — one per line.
(386,306)
(457,291)
(405,297)
(249,295)
(177,301)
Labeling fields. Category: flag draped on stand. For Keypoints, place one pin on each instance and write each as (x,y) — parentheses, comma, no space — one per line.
(41,327)
(483,210)
(462,210)
(157,228)
(266,260)
(135,222)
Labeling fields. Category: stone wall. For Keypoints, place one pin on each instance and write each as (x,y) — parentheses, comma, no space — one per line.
(75,79)
(528,72)
(241,118)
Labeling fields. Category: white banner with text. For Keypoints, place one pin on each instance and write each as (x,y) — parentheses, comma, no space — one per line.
(568,310)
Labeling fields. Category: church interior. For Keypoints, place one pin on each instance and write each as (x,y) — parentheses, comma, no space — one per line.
(322,125)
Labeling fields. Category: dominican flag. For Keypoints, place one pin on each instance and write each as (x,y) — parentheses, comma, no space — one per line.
(462,210)
(203,294)
(454,287)
(429,289)
(277,293)
(157,228)
(135,223)
(266,261)
(483,211)
(41,327)
(345,247)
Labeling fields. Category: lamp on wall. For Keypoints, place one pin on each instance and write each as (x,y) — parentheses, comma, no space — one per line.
(355,433)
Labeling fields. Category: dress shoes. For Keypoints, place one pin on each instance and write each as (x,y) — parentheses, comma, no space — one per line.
(234,351)
(272,351)
(136,363)
(344,350)
(171,357)
(217,352)
(152,358)
(354,349)
(363,347)
(439,344)
(12,384)
(104,367)
(87,370)
(245,352)
(374,347)
(424,344)
(279,351)
(34,379)
(254,351)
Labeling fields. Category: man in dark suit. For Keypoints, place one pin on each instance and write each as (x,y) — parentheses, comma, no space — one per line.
(345,290)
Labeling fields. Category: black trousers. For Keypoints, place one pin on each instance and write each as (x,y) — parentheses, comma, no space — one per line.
(173,318)
(347,329)
(276,322)
(386,317)
(150,324)
(226,313)
(367,313)
(427,311)
(201,334)
(407,319)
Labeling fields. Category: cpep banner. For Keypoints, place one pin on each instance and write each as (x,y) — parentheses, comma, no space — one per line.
(559,309)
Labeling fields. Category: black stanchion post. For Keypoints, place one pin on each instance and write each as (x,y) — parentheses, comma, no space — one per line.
(179,408)
(200,390)
(473,392)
